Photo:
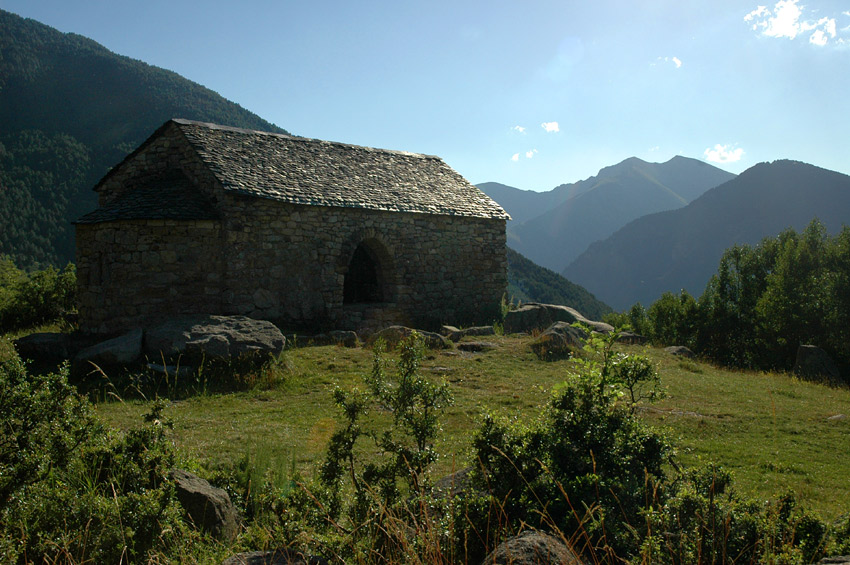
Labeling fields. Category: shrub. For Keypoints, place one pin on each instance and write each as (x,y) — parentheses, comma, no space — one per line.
(27,300)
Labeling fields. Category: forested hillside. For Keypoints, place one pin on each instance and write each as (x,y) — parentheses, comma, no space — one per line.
(69,110)
(529,282)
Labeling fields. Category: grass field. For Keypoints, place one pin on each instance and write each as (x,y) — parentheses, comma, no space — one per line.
(773,431)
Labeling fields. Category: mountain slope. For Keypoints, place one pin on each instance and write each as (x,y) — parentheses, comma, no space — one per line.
(528,282)
(680,249)
(604,203)
(70,109)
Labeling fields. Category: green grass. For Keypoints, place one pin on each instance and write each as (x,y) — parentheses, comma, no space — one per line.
(773,431)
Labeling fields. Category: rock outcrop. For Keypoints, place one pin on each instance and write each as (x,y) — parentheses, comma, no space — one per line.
(533,316)
(213,338)
(209,507)
(394,334)
(558,341)
(814,363)
(532,548)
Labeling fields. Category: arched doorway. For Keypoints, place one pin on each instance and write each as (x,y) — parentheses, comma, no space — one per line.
(365,278)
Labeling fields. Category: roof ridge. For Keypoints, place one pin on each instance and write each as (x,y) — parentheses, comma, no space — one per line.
(298,138)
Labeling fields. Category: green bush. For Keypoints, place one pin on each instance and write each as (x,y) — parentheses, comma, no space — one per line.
(71,491)
(27,300)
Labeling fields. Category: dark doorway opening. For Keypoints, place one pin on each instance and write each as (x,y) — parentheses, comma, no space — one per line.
(363,281)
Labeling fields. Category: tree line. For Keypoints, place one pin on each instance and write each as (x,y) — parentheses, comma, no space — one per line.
(764,301)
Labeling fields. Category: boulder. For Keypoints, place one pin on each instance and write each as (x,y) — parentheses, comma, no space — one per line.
(209,507)
(532,548)
(336,337)
(558,341)
(631,338)
(394,334)
(213,338)
(276,557)
(680,351)
(455,334)
(120,351)
(534,316)
(814,363)
(476,346)
(452,485)
(49,347)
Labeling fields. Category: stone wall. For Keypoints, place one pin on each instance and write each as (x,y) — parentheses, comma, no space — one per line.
(437,268)
(132,273)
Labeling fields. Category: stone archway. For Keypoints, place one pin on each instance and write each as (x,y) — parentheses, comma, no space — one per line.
(368,274)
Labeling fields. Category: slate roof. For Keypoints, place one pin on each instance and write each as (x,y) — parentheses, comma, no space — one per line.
(168,197)
(314,172)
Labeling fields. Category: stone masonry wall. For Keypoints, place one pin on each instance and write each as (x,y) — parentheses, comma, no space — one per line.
(133,273)
(288,263)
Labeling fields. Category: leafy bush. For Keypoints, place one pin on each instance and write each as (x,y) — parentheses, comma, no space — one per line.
(27,300)
(71,491)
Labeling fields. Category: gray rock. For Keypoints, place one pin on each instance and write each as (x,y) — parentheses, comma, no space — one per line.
(631,338)
(836,560)
(394,334)
(276,557)
(209,507)
(120,351)
(532,548)
(453,484)
(336,337)
(680,351)
(814,363)
(48,347)
(213,338)
(455,334)
(533,316)
(476,346)
(558,341)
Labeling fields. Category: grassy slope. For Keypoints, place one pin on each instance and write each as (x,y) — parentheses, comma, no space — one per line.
(773,431)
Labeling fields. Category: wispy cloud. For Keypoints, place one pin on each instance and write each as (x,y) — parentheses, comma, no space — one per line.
(551,127)
(723,154)
(519,129)
(787,20)
(530,154)
(672,60)
(515,157)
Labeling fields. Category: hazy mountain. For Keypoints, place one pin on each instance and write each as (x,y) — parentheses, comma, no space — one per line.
(681,249)
(529,282)
(523,205)
(593,209)
(70,109)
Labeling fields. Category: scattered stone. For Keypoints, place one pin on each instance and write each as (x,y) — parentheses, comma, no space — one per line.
(533,316)
(456,335)
(209,507)
(631,338)
(558,341)
(532,548)
(394,334)
(276,557)
(441,370)
(452,485)
(346,338)
(837,417)
(814,363)
(214,338)
(680,351)
(836,560)
(476,346)
(120,351)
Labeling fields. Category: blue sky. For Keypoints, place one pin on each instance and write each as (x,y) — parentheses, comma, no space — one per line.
(530,94)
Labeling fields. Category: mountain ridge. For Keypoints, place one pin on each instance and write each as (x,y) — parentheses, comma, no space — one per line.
(680,249)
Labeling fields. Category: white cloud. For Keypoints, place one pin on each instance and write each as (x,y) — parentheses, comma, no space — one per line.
(530,154)
(786,20)
(515,157)
(519,129)
(677,62)
(723,154)
(654,149)
(551,127)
